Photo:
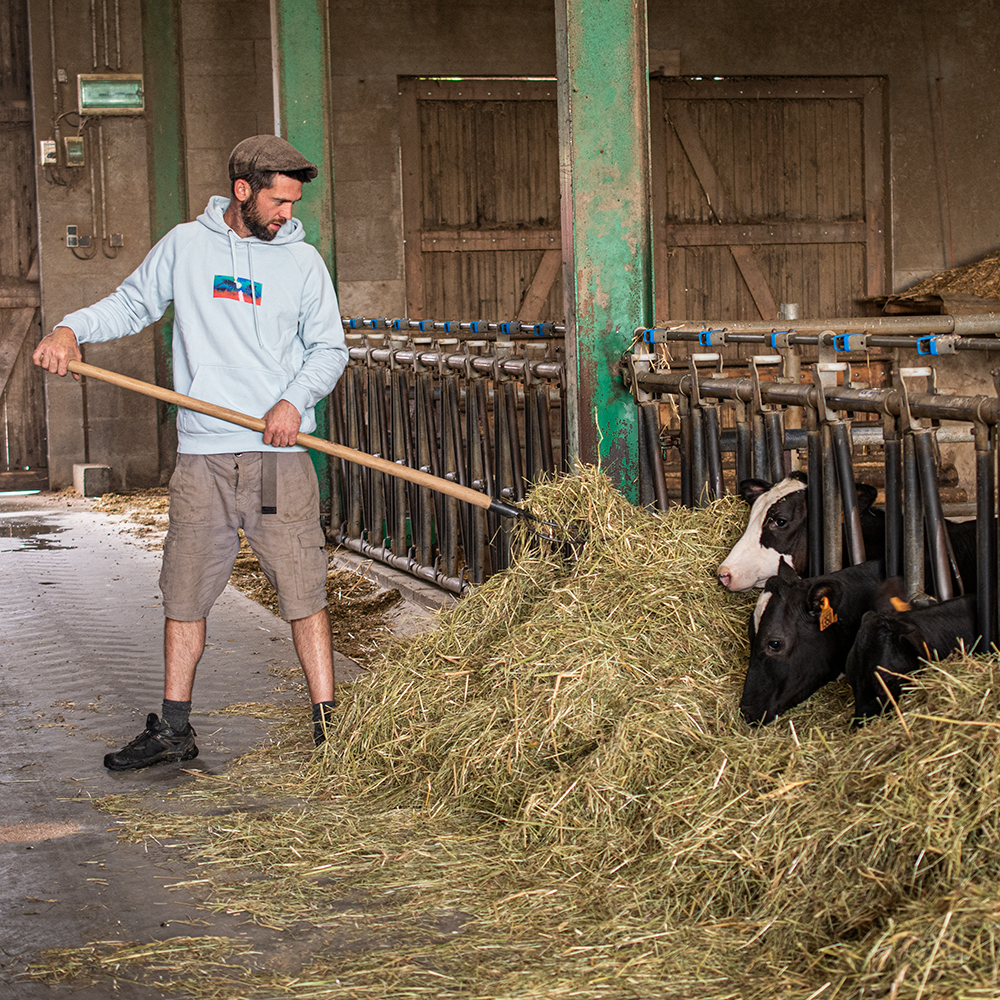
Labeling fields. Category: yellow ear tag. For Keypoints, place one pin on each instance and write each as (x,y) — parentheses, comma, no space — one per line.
(899,604)
(827,616)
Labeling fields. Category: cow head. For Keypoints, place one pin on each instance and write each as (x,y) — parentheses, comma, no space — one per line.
(776,533)
(802,633)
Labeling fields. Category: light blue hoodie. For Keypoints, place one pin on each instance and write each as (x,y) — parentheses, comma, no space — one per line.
(254,322)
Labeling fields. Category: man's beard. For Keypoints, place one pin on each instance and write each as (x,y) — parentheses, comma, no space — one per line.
(254,221)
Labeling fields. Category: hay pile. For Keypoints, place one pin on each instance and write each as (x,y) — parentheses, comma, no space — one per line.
(553,795)
(980,278)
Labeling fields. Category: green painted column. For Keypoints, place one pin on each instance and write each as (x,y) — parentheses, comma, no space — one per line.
(604,158)
(300,45)
(165,156)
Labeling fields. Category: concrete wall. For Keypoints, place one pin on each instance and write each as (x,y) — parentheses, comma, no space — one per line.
(226,48)
(93,422)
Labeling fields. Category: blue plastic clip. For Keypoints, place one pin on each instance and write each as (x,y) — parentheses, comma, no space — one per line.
(649,336)
(509,329)
(711,338)
(380,324)
(425,324)
(543,329)
(479,326)
(357,324)
(930,341)
(401,324)
(450,326)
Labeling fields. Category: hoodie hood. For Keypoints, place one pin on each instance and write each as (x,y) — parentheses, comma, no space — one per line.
(213,218)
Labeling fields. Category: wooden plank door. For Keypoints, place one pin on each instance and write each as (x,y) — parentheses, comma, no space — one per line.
(768,191)
(480,161)
(23,453)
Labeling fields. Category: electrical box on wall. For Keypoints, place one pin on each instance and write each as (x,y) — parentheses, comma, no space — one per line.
(110,94)
(74,150)
(48,153)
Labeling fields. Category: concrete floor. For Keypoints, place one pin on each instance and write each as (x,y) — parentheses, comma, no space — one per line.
(80,666)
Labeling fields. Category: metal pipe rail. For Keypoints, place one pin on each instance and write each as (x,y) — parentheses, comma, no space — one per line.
(983,409)
(927,335)
(979,324)
(504,329)
(485,364)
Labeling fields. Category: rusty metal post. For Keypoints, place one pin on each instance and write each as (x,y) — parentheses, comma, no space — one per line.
(604,163)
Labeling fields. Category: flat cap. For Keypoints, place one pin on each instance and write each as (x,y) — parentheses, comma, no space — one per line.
(267,152)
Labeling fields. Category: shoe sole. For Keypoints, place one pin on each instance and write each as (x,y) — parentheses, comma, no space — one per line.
(167,757)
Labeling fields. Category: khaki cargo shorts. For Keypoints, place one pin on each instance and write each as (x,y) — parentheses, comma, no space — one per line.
(211,496)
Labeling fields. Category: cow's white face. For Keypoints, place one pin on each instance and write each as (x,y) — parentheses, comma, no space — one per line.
(755,557)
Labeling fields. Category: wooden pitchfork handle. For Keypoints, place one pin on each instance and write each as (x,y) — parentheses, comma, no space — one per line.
(415,476)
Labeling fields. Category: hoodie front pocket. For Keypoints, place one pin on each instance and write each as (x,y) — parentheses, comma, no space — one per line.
(252,391)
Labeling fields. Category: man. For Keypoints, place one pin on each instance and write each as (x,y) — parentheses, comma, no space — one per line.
(257,328)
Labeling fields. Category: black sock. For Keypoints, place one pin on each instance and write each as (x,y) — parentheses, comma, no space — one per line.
(322,715)
(175,714)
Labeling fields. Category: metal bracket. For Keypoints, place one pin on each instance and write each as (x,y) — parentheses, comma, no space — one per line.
(936,345)
(826,414)
(756,360)
(850,341)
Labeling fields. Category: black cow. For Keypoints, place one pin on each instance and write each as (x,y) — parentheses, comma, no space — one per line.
(801,634)
(776,533)
(892,642)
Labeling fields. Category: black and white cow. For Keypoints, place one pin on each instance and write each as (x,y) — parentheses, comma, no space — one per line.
(892,642)
(777,532)
(801,634)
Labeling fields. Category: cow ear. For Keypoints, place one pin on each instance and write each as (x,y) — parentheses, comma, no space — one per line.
(866,496)
(917,641)
(786,572)
(750,489)
(891,597)
(799,476)
(823,600)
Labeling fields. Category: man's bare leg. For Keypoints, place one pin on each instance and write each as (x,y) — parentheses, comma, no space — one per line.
(183,644)
(313,645)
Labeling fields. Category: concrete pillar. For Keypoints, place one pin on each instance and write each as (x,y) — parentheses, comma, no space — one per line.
(168,193)
(606,219)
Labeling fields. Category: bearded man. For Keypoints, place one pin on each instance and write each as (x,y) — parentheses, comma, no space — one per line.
(257,328)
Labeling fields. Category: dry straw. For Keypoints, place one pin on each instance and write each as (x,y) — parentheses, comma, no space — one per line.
(553,794)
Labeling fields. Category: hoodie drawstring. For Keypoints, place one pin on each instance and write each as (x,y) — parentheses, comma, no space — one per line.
(239,287)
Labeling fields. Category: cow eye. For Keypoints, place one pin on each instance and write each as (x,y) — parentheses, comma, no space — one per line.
(778,522)
(774,645)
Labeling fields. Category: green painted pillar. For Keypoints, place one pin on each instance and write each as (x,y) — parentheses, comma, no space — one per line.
(165,156)
(300,46)
(603,94)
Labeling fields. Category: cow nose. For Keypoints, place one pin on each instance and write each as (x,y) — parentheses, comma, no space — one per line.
(725,577)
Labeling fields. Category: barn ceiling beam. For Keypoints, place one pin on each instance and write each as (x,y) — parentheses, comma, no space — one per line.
(604,164)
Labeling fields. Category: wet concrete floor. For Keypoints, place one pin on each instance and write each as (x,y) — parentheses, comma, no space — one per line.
(80,666)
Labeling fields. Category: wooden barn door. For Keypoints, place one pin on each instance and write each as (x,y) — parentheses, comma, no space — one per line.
(23,457)
(768,191)
(480,161)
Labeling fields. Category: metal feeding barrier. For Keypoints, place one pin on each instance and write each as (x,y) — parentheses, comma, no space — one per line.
(478,403)
(764,445)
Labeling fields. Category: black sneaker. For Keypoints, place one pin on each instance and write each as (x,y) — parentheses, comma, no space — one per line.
(158,744)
